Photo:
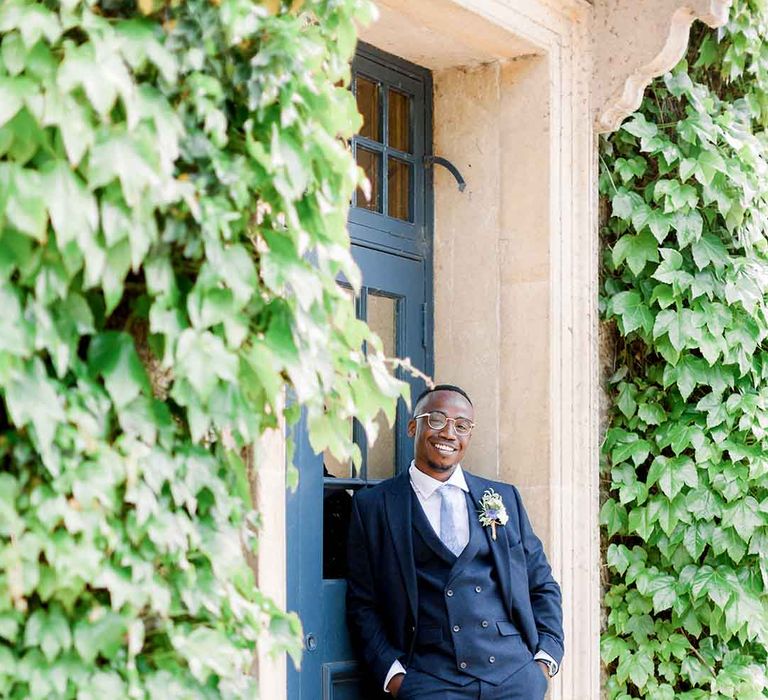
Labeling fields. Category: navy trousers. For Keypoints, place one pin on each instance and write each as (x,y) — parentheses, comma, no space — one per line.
(529,683)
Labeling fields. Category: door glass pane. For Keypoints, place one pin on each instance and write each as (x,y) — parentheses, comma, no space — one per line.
(382,318)
(370,162)
(399,121)
(335,468)
(367,94)
(399,199)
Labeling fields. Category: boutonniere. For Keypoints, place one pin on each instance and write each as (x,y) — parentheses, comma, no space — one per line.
(492,511)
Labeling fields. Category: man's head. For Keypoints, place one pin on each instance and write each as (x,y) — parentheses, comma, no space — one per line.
(437,450)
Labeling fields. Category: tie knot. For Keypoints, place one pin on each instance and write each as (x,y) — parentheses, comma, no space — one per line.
(449,491)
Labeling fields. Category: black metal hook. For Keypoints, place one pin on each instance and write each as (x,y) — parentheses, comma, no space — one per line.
(439,160)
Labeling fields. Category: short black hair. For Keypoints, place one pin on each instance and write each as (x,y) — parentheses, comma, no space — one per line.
(441,387)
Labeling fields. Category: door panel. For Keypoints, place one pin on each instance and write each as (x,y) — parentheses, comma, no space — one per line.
(392,246)
(392,299)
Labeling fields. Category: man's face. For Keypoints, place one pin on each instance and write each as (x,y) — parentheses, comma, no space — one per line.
(437,452)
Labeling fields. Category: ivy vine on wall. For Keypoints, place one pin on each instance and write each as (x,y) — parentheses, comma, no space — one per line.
(174,186)
(685,513)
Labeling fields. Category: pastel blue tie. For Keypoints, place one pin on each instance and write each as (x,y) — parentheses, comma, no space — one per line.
(450,514)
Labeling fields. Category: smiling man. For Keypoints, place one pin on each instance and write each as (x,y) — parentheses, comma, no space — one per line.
(450,595)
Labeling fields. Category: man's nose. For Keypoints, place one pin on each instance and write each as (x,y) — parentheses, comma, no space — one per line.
(449,429)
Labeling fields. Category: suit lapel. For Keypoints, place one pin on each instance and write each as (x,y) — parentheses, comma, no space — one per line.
(397,501)
(499,546)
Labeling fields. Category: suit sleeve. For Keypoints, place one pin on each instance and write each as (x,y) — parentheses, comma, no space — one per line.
(544,591)
(363,611)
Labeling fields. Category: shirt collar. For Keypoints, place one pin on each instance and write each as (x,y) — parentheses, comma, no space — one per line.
(426,485)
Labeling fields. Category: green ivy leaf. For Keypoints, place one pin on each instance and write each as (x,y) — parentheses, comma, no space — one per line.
(622,205)
(113,356)
(32,398)
(626,400)
(14,92)
(72,208)
(651,413)
(101,636)
(611,648)
(709,250)
(744,516)
(704,504)
(675,195)
(661,588)
(637,250)
(34,22)
(641,520)
(679,326)
(638,667)
(688,227)
(712,584)
(696,538)
(660,223)
(25,205)
(634,313)
(695,671)
(613,517)
(672,474)
(639,126)
(48,630)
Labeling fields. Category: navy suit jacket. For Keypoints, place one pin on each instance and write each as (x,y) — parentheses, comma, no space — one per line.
(381,581)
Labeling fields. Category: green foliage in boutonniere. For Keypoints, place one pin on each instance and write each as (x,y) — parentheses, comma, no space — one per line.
(492,511)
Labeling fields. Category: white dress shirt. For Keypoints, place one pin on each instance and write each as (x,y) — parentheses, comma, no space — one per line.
(425,487)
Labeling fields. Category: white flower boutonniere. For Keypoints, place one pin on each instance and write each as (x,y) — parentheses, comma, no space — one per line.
(492,511)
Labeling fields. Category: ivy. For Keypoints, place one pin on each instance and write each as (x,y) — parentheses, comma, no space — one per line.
(685,276)
(174,188)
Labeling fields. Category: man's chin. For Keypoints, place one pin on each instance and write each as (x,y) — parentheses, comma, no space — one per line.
(440,466)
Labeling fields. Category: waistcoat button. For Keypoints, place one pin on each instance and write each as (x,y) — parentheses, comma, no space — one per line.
(456,628)
(484,623)
(492,659)
(478,589)
(449,593)
(463,665)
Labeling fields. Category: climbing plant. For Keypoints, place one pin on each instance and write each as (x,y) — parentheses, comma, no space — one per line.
(685,275)
(174,185)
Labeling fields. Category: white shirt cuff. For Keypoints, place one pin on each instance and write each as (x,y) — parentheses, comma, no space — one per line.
(394,669)
(542,655)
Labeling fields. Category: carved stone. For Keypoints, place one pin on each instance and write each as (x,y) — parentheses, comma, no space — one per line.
(634,42)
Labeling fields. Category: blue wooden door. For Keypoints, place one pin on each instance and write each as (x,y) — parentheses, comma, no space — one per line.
(391,236)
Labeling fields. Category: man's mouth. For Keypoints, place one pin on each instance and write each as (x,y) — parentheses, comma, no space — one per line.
(444,448)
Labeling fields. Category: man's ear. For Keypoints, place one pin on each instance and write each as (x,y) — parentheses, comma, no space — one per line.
(411,428)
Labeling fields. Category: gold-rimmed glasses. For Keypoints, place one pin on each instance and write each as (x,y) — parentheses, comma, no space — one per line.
(437,420)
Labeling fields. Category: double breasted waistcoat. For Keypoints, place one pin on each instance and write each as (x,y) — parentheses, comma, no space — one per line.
(463,630)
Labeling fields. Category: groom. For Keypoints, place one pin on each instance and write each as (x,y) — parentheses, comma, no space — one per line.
(450,595)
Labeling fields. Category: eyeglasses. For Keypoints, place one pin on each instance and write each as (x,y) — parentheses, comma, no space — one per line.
(437,420)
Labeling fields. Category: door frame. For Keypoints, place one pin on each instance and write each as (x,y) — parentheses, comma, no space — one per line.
(556,34)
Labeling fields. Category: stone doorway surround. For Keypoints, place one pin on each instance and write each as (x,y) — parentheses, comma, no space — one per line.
(521,89)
